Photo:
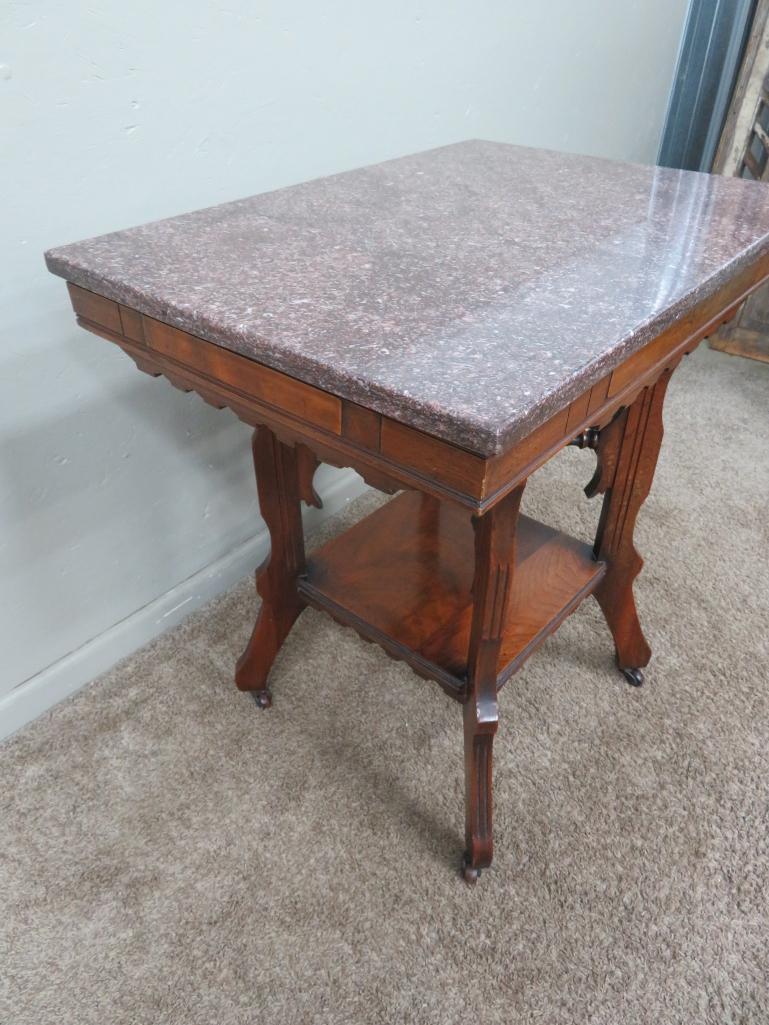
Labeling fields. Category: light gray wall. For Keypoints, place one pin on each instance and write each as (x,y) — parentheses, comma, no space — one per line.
(121,498)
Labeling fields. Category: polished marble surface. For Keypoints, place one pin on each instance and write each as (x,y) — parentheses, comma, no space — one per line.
(470,291)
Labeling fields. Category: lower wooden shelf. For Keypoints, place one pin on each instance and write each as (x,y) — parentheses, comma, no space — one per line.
(402,577)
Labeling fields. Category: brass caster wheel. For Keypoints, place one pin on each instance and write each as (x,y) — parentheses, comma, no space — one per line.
(470,874)
(263,698)
(633,676)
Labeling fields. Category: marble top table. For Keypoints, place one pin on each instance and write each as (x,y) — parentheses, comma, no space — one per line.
(469,291)
(444,323)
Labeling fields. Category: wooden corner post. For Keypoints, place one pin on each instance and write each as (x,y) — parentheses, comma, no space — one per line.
(492,582)
(628,449)
(278,484)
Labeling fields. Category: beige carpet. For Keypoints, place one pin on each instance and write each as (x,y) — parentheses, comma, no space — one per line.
(169,854)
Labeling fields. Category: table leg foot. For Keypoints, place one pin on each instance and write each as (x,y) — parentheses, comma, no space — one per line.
(633,676)
(263,698)
(470,873)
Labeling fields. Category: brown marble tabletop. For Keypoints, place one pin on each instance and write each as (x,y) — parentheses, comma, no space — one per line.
(470,291)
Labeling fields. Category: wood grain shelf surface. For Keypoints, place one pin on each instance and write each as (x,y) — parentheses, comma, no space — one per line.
(403,576)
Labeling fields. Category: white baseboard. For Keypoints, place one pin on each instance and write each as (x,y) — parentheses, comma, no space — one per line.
(57,681)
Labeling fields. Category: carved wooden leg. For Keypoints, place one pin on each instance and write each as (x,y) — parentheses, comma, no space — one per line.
(627,457)
(494,564)
(278,485)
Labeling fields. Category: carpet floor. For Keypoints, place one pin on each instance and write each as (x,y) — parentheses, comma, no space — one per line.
(170,854)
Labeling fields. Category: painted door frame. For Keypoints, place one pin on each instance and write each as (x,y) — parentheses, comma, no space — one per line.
(713,42)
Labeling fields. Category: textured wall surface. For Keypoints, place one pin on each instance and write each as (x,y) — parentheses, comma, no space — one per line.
(115,488)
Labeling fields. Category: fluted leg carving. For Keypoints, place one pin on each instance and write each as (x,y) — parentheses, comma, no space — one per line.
(278,485)
(494,566)
(628,449)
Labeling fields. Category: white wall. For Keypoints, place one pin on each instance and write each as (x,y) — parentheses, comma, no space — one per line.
(118,491)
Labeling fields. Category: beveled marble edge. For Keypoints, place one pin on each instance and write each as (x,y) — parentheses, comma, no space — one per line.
(475,320)
(457,430)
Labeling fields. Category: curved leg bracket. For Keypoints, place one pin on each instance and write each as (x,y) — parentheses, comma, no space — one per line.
(278,484)
(307,463)
(628,449)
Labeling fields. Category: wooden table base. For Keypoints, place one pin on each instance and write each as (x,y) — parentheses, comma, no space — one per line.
(462,598)
(448,576)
